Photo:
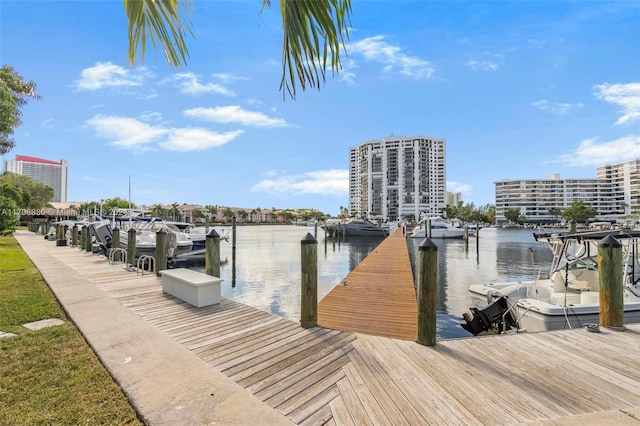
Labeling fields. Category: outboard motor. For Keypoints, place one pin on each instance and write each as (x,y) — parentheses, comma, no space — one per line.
(489,317)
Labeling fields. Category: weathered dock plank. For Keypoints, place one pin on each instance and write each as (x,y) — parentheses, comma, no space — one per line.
(332,377)
(379,296)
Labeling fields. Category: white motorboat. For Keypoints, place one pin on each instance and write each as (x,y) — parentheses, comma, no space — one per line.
(567,298)
(178,242)
(440,228)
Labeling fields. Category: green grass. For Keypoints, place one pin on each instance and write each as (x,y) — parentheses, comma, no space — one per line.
(48,376)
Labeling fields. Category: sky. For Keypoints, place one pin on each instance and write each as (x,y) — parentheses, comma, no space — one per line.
(518,89)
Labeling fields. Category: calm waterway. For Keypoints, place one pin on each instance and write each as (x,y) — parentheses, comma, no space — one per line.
(268,267)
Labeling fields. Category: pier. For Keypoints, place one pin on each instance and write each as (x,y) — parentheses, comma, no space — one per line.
(378,297)
(241,365)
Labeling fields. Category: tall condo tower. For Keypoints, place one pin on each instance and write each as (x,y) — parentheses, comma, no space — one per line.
(51,173)
(397,177)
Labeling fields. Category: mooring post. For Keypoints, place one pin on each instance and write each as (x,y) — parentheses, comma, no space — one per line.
(315,230)
(466,231)
(83,237)
(212,254)
(74,236)
(572,226)
(309,291)
(428,232)
(131,247)
(427,292)
(87,239)
(610,280)
(115,241)
(161,251)
(233,252)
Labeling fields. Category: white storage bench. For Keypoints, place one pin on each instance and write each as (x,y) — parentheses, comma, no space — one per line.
(195,288)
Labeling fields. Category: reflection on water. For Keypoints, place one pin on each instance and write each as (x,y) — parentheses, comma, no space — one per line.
(268,267)
(499,255)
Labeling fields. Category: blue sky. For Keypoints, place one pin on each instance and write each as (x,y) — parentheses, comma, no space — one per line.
(518,89)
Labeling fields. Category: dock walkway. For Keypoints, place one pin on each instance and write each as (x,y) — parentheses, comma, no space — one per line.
(378,297)
(233,364)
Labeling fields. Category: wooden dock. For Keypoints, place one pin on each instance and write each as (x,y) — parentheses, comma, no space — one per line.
(322,376)
(378,297)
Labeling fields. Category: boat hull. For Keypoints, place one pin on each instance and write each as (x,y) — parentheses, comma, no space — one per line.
(534,316)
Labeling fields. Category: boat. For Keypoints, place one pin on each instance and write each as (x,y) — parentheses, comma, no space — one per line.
(356,228)
(440,228)
(364,228)
(146,228)
(568,297)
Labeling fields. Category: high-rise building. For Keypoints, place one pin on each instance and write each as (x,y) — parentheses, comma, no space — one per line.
(397,178)
(51,173)
(454,198)
(614,193)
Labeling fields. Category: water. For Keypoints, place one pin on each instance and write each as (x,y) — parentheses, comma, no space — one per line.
(268,267)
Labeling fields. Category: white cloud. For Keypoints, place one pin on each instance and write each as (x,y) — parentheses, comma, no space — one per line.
(133,134)
(235,114)
(556,107)
(592,153)
(106,74)
(322,182)
(189,139)
(463,188)
(482,65)
(376,49)
(189,83)
(125,132)
(625,95)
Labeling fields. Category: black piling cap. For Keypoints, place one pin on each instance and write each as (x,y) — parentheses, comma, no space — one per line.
(427,245)
(609,241)
(213,234)
(161,231)
(309,239)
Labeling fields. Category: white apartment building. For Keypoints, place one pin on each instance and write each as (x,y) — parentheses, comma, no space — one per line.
(397,178)
(624,185)
(51,173)
(614,193)
(453,198)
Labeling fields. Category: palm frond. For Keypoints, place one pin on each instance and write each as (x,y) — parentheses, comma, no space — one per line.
(314,35)
(164,22)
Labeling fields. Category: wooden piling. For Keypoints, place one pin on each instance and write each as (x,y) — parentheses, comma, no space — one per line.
(131,247)
(309,291)
(74,236)
(115,239)
(610,280)
(572,226)
(212,254)
(86,238)
(233,252)
(427,292)
(161,251)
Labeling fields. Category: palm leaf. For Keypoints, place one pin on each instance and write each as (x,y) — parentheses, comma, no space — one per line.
(314,34)
(164,22)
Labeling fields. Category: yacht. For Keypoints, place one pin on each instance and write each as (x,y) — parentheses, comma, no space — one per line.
(440,228)
(568,297)
(364,228)
(178,242)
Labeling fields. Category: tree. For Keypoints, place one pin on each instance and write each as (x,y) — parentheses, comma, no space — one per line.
(555,213)
(213,210)
(579,211)
(36,194)
(512,215)
(175,212)
(14,93)
(157,210)
(314,34)
(8,215)
(197,215)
